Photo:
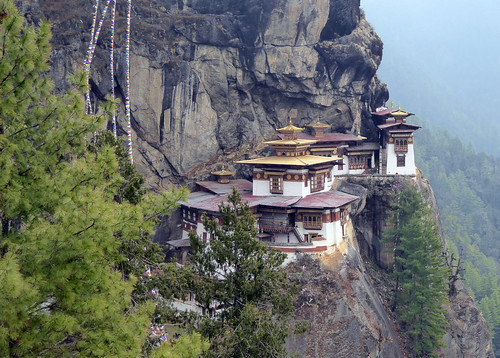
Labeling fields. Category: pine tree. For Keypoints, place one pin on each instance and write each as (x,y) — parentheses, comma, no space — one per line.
(243,279)
(420,271)
(187,346)
(63,231)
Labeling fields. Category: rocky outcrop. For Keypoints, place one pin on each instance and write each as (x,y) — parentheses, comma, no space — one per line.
(342,310)
(223,74)
(344,296)
(468,334)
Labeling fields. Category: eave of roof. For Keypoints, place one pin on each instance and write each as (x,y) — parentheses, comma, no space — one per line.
(329,199)
(324,200)
(291,142)
(300,161)
(330,137)
(370,146)
(394,124)
(242,185)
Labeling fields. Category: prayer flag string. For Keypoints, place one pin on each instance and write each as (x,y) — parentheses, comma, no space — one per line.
(85,67)
(127,95)
(92,47)
(95,31)
(112,64)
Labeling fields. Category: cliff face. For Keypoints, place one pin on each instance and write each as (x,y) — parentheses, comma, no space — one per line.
(210,80)
(342,307)
(344,295)
(468,334)
(223,74)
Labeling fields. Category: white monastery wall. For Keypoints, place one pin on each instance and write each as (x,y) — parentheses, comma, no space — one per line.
(295,188)
(392,168)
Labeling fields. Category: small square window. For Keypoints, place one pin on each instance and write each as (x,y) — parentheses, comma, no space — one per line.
(401,160)
(276,184)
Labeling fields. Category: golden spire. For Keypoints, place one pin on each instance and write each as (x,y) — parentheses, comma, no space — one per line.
(290,131)
(223,175)
(400,115)
(318,128)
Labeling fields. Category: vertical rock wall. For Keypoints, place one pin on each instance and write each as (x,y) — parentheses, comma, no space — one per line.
(223,74)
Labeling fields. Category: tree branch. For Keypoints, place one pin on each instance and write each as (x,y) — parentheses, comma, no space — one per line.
(88,227)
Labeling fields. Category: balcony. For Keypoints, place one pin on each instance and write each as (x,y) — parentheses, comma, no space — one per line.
(275,226)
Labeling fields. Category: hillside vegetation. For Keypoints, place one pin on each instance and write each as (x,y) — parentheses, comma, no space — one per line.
(468,191)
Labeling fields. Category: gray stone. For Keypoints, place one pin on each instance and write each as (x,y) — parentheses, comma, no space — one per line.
(218,73)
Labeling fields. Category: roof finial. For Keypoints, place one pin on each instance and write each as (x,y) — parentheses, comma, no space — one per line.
(392,104)
(399,107)
(317,120)
(290,120)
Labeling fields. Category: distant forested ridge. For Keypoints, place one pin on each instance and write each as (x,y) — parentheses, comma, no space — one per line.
(467,188)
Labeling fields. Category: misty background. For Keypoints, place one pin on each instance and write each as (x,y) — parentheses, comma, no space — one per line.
(442,61)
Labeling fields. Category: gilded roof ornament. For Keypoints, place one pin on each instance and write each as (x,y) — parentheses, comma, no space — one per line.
(400,113)
(223,172)
(290,128)
(318,125)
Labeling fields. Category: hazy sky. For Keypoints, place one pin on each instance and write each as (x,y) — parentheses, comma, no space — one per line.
(443,56)
(458,41)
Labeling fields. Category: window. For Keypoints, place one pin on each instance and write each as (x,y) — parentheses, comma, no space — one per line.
(317,182)
(358,162)
(343,216)
(401,145)
(190,216)
(276,184)
(341,164)
(401,160)
(312,221)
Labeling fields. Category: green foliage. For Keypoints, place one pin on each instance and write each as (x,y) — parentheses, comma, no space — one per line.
(131,188)
(420,272)
(467,189)
(243,279)
(66,229)
(187,346)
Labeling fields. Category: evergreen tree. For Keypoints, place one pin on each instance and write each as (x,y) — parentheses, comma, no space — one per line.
(243,280)
(187,346)
(63,230)
(420,271)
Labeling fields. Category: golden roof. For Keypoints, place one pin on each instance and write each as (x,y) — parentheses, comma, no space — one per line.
(290,128)
(323,149)
(223,172)
(400,113)
(318,124)
(291,142)
(303,160)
